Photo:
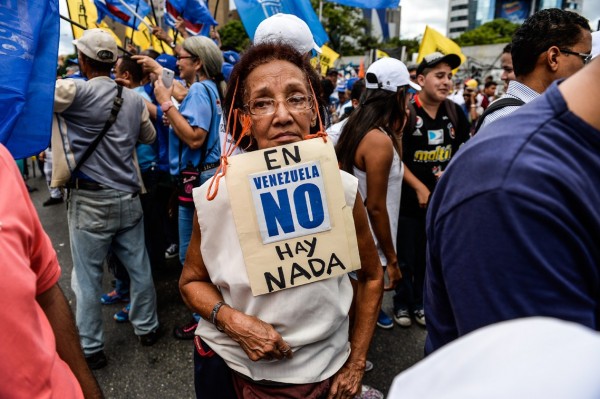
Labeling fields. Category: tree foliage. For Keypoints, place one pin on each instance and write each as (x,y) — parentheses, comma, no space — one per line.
(496,31)
(345,27)
(233,36)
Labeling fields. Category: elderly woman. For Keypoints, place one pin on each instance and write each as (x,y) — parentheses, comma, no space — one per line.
(292,343)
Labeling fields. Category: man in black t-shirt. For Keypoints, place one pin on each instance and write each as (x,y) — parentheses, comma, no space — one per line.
(439,129)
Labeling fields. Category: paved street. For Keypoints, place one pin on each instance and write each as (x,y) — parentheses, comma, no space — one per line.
(165,370)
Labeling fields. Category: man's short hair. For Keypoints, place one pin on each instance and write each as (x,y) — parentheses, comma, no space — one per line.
(105,67)
(332,72)
(490,83)
(507,48)
(544,29)
(130,65)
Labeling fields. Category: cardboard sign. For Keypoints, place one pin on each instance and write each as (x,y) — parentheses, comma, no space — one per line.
(291,215)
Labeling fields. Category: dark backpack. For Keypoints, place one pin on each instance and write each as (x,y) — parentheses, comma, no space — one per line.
(495,106)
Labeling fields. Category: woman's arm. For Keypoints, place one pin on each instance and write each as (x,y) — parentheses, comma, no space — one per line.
(374,155)
(192,136)
(258,339)
(347,381)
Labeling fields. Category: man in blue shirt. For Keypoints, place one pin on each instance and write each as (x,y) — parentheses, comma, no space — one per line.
(521,238)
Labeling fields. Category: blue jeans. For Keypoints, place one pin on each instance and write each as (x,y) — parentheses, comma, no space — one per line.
(99,221)
(186,218)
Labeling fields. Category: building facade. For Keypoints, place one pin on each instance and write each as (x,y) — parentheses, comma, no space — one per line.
(464,15)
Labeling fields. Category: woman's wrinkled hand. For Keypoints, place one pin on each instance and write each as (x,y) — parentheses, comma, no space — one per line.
(346,383)
(258,339)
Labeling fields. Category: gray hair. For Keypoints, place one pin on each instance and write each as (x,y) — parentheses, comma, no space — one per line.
(208,52)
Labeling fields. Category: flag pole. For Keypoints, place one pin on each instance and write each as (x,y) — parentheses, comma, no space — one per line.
(320,10)
(216,8)
(77,24)
(156,23)
(135,14)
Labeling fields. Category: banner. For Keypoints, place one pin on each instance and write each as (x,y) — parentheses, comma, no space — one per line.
(326,59)
(84,12)
(197,17)
(123,11)
(29,47)
(379,4)
(291,215)
(434,41)
(253,12)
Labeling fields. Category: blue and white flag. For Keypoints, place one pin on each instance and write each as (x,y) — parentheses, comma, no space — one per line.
(253,12)
(28,48)
(121,11)
(378,4)
(196,15)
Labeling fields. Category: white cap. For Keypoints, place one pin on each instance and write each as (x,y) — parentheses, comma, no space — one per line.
(388,74)
(97,44)
(595,44)
(286,28)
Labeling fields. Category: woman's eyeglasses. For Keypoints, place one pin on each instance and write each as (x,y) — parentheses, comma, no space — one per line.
(267,106)
(183,57)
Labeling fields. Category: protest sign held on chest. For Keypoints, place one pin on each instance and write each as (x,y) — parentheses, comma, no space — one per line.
(291,215)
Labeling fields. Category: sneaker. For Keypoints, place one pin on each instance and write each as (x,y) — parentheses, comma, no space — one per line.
(185,332)
(384,321)
(172,251)
(402,318)
(368,366)
(113,297)
(419,316)
(368,392)
(52,201)
(150,338)
(122,315)
(96,360)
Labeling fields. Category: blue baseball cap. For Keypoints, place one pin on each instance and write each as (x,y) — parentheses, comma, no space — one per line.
(169,62)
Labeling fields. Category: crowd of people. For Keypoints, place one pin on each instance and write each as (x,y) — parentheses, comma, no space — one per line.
(478,209)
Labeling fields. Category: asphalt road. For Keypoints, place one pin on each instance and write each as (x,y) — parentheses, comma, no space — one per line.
(165,370)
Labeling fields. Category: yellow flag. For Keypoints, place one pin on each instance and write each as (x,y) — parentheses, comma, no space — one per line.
(380,54)
(84,12)
(326,59)
(434,41)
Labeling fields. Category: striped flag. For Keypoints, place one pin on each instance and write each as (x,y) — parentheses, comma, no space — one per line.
(196,15)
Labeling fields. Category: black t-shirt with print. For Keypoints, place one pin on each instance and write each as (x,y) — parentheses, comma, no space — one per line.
(429,148)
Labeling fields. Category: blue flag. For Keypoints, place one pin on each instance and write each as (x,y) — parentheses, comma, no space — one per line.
(29,38)
(196,15)
(122,13)
(378,4)
(253,12)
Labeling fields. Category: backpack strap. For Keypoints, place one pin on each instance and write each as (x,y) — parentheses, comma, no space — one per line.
(495,106)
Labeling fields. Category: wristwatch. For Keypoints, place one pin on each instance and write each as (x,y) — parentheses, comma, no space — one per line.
(173,44)
(166,106)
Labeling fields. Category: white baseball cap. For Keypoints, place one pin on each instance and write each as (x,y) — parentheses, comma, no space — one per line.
(286,28)
(97,44)
(388,74)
